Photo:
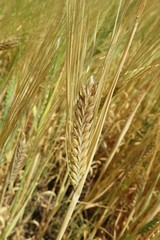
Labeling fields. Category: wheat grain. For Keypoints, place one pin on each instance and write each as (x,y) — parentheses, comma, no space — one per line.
(80,134)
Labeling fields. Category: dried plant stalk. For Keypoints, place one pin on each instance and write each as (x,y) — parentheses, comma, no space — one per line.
(3,218)
(80,135)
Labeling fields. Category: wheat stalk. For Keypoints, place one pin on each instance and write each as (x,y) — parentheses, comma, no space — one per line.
(80,134)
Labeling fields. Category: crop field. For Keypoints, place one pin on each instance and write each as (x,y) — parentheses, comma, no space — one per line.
(80,120)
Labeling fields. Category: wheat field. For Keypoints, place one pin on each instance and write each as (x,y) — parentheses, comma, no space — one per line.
(80,120)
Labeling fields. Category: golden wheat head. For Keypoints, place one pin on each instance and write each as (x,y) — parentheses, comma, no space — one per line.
(8,43)
(80,134)
(18,158)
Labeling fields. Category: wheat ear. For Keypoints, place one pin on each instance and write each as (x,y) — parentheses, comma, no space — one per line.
(80,134)
(15,166)
(8,43)
(18,159)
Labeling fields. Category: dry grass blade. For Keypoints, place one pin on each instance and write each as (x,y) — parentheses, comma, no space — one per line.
(82,123)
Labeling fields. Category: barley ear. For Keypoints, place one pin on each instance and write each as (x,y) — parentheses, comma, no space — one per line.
(18,159)
(8,43)
(14,167)
(80,133)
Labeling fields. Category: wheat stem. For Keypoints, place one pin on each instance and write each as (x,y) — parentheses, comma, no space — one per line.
(72,205)
(78,162)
